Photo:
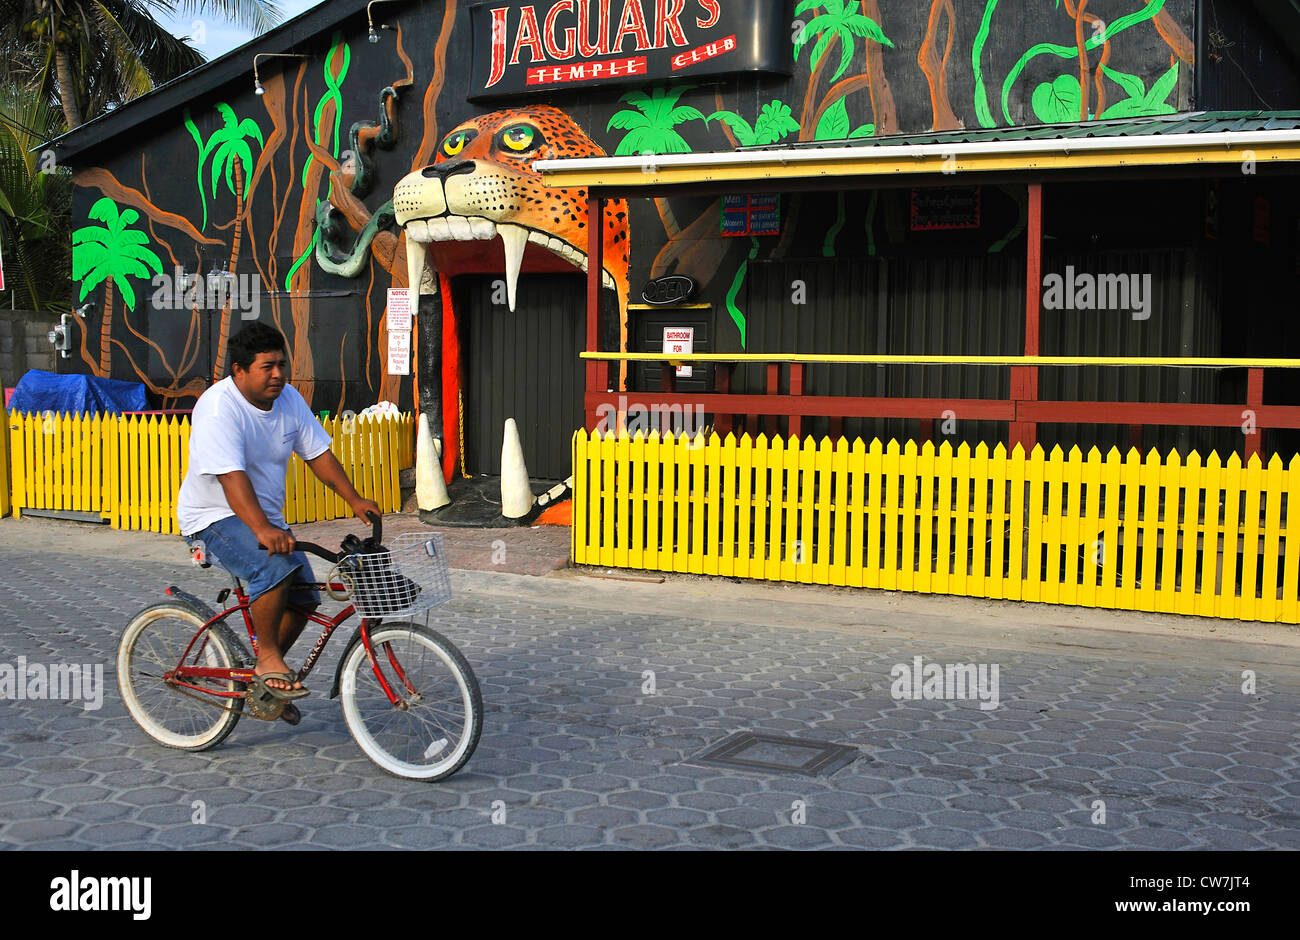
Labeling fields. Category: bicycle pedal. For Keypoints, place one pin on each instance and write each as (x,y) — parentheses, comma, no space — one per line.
(221,597)
(265,707)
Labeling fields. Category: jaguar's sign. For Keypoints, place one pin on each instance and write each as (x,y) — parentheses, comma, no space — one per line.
(558,44)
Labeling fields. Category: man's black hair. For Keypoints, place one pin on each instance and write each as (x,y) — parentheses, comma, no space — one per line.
(254,338)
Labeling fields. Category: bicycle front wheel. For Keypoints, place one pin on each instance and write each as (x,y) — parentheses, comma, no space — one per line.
(434,727)
(152,645)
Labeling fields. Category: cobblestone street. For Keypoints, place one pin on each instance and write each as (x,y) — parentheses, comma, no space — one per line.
(1139,719)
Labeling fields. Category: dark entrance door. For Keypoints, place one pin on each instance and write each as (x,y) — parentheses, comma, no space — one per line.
(523,365)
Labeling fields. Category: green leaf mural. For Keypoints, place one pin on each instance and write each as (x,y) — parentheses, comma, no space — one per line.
(1141,102)
(1049,98)
(774,123)
(1058,101)
(834,124)
(111,253)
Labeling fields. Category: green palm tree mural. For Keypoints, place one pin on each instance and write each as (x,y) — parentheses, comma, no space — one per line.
(840,20)
(774,123)
(112,253)
(232,158)
(652,125)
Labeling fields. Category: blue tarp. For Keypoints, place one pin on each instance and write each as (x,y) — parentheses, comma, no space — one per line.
(45,391)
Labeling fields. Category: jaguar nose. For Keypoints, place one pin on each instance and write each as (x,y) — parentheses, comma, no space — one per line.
(447,168)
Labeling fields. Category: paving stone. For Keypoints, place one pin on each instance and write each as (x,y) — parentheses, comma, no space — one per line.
(583,760)
(645,837)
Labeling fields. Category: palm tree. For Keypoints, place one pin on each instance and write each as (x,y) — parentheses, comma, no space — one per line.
(87,56)
(652,125)
(652,129)
(838,22)
(111,253)
(230,153)
(34,201)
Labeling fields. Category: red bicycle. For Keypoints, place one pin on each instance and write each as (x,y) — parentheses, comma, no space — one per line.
(410,699)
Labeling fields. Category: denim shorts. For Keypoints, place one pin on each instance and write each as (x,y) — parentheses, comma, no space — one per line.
(232,545)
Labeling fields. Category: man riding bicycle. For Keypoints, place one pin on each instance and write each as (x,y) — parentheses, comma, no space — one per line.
(243,431)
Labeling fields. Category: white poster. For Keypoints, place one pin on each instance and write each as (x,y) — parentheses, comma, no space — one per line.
(399,352)
(679,339)
(399,309)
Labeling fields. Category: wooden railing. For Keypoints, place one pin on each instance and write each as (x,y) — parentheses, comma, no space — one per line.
(784,395)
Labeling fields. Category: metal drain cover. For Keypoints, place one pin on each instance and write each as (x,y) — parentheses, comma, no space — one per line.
(770,752)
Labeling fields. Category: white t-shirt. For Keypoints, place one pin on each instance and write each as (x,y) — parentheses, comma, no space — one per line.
(227,432)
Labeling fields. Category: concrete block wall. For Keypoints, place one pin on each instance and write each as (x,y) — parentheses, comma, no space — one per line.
(24,344)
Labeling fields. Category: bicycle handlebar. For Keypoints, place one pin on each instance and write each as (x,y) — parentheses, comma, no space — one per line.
(376,533)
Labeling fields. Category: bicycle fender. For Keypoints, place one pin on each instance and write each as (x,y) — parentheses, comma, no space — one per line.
(338,670)
(191,601)
(185,598)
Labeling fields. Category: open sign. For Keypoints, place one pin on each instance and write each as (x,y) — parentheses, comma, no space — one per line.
(672,289)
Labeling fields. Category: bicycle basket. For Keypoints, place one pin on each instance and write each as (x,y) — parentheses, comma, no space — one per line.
(409,575)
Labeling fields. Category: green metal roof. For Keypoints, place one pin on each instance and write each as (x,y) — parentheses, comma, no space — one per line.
(1190,122)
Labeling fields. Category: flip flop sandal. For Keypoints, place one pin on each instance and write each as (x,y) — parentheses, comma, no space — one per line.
(260,689)
(290,715)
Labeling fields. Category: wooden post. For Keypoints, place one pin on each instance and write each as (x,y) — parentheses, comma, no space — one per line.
(773,388)
(595,370)
(796,388)
(1254,399)
(722,423)
(1024,379)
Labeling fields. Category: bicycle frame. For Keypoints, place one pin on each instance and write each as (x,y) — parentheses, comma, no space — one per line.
(245,675)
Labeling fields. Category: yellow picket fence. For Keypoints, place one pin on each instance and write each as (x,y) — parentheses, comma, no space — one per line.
(128,469)
(1116,531)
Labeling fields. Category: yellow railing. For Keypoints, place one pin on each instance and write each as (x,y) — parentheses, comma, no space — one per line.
(128,469)
(1125,532)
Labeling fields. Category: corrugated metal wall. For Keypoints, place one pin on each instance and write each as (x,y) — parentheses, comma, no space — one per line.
(975,305)
(523,365)
(1182,321)
(899,306)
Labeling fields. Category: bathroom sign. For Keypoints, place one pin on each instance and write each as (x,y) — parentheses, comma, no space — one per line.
(680,339)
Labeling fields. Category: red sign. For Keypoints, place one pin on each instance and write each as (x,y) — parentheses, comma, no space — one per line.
(587,71)
(537,45)
(704,53)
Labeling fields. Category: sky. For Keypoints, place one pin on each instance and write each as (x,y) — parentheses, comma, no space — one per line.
(218,38)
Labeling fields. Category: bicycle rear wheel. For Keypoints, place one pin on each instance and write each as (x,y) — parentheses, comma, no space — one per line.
(152,645)
(435,726)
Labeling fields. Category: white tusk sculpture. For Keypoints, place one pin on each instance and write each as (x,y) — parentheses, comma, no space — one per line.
(516,493)
(430,487)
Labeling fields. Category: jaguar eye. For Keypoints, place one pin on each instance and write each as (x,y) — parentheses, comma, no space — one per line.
(456,142)
(519,138)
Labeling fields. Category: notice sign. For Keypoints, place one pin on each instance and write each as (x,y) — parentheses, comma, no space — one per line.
(399,352)
(399,309)
(751,214)
(549,45)
(680,339)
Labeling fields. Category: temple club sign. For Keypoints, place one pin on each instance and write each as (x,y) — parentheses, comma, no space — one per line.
(559,44)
